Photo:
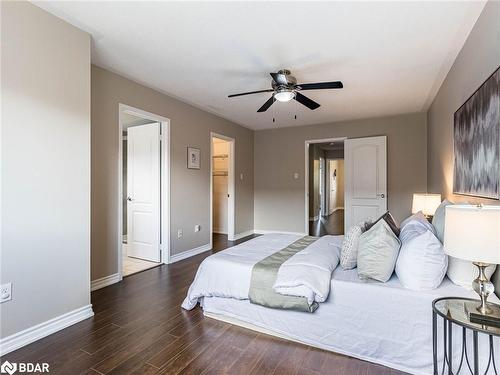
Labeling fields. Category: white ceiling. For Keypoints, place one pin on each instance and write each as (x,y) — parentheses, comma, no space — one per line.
(391,56)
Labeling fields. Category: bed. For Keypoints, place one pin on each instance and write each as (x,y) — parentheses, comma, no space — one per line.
(382,323)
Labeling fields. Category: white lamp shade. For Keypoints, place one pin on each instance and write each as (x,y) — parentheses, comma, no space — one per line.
(427,203)
(473,233)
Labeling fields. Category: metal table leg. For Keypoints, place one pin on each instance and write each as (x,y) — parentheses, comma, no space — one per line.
(476,355)
(450,348)
(434,342)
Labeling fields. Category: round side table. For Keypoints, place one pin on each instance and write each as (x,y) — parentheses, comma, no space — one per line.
(455,310)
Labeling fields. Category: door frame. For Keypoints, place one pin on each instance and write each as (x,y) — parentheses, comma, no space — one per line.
(306,174)
(231,220)
(164,181)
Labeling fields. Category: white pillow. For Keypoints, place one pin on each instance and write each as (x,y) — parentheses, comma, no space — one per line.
(462,272)
(377,252)
(418,218)
(421,263)
(438,219)
(349,252)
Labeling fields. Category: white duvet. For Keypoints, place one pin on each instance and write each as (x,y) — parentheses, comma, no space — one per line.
(228,273)
(308,273)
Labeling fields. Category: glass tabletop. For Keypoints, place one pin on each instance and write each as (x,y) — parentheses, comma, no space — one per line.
(457,310)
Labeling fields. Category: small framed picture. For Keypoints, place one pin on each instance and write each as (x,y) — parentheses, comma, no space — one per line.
(193,158)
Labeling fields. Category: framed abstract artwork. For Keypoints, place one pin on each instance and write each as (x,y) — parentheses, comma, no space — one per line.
(476,136)
(193,158)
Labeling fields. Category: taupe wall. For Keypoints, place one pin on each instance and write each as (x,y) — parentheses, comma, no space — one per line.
(478,59)
(279,153)
(45,174)
(190,189)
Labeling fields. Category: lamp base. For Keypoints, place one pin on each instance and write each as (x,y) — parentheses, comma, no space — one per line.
(484,287)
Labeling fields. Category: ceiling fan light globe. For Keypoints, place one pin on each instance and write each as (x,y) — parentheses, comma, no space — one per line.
(284,96)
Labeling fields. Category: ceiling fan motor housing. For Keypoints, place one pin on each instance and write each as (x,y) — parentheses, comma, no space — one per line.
(291,81)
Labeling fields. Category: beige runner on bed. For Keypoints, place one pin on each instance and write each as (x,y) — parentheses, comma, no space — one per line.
(264,275)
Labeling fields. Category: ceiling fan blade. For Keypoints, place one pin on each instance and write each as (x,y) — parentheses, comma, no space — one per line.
(279,78)
(321,85)
(248,93)
(267,104)
(311,104)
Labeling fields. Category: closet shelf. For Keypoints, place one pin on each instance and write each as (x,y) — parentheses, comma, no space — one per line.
(225,156)
(219,173)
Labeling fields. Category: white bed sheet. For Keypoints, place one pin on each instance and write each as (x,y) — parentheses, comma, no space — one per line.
(228,273)
(379,322)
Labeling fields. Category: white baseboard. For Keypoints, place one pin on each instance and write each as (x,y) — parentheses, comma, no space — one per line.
(242,235)
(104,281)
(189,253)
(39,331)
(264,231)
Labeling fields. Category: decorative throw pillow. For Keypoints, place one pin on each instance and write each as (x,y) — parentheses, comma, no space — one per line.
(421,263)
(462,272)
(377,252)
(418,220)
(389,219)
(349,252)
(438,219)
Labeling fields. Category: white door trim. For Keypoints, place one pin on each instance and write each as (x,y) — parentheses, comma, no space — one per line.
(165,181)
(230,189)
(306,174)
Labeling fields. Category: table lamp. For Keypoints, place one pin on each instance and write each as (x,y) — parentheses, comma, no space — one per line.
(427,203)
(473,233)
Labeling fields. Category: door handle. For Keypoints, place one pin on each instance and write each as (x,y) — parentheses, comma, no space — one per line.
(129,199)
(381,195)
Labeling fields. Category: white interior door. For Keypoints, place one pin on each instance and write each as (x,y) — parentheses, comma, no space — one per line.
(143,188)
(365,179)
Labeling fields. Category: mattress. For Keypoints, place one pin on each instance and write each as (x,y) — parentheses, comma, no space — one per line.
(382,323)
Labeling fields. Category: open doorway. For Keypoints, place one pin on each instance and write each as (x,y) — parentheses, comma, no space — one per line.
(144,167)
(326,188)
(222,171)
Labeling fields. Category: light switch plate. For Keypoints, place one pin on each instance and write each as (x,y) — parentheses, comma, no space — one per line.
(5,292)
(179,233)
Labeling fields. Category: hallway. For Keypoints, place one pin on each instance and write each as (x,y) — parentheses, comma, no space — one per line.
(332,224)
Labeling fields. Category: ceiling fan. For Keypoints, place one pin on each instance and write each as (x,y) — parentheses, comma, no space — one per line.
(285,88)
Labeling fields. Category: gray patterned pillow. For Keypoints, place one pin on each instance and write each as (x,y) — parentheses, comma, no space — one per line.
(349,251)
(377,253)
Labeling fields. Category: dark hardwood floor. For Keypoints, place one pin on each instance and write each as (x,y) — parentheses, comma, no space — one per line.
(332,224)
(140,328)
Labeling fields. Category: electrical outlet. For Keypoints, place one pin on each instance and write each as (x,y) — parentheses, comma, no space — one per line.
(197,227)
(179,233)
(5,292)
